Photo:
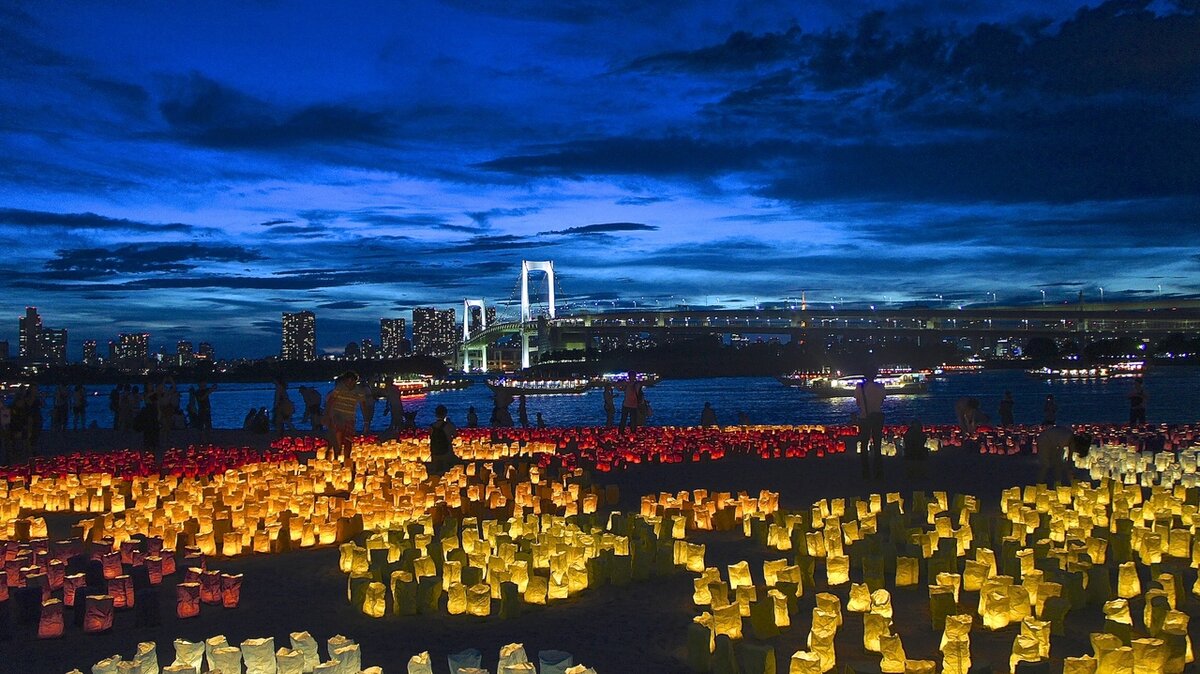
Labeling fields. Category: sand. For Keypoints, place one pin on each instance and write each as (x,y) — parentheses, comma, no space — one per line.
(633,629)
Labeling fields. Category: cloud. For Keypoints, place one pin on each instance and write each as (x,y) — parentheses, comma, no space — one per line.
(742,51)
(603,228)
(16,217)
(669,156)
(83,263)
(344,304)
(202,111)
(272,223)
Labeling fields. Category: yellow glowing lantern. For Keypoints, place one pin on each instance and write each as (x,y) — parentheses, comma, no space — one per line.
(1169,584)
(995,609)
(837,570)
(957,627)
(860,598)
(881,603)
(974,575)
(1149,656)
(805,662)
(479,600)
(1116,661)
(908,571)
(956,657)
(771,569)
(920,667)
(892,650)
(1082,665)
(779,604)
(456,599)
(695,557)
(739,575)
(950,580)
(1128,585)
(537,589)
(727,620)
(1117,611)
(1025,649)
(830,604)
(874,627)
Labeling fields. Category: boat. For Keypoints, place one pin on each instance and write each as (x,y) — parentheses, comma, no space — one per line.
(959,368)
(1122,369)
(411,385)
(907,383)
(521,386)
(799,378)
(449,384)
(619,379)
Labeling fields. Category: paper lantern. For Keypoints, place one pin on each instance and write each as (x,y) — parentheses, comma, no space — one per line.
(1038,630)
(1117,611)
(995,609)
(779,604)
(187,600)
(695,557)
(920,667)
(958,627)
(805,662)
(210,587)
(456,599)
(213,643)
(179,669)
(874,627)
(908,571)
(189,654)
(881,603)
(537,589)
(830,604)
(771,569)
(860,598)
(50,622)
(97,613)
(512,654)
(1116,661)
(1025,649)
(288,661)
(259,655)
(479,600)
(1170,585)
(956,657)
(225,658)
(837,570)
(375,604)
(1128,585)
(348,656)
(1081,665)
(121,589)
(739,575)
(892,651)
(1149,656)
(727,620)
(950,580)
(306,645)
(974,575)
(420,664)
(231,590)
(554,662)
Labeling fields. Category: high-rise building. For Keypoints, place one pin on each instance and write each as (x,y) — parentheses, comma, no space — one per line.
(89,352)
(299,336)
(184,355)
(53,345)
(204,352)
(393,340)
(4,349)
(30,327)
(369,350)
(489,314)
(133,347)
(433,331)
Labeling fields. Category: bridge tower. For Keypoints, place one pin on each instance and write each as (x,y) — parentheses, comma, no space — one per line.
(526,317)
(466,336)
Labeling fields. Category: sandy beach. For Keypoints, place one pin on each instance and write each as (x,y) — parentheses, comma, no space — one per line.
(637,628)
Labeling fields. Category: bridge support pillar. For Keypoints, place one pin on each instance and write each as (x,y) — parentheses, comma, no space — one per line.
(525,359)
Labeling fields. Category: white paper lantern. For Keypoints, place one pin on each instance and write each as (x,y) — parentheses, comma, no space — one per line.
(259,655)
(307,645)
(189,653)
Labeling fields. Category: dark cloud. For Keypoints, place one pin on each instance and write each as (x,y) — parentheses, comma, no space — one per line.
(740,52)
(484,218)
(83,263)
(344,304)
(16,217)
(483,244)
(205,112)
(272,223)
(671,156)
(604,228)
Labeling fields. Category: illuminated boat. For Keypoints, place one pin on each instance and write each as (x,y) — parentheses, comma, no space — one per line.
(522,386)
(450,384)
(800,379)
(619,379)
(1123,369)
(411,385)
(959,368)
(907,383)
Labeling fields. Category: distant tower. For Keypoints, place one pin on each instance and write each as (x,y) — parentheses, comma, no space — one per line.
(526,267)
(803,301)
(30,333)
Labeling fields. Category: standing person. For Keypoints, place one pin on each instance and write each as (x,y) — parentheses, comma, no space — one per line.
(148,422)
(203,397)
(1006,409)
(312,406)
(472,417)
(541,423)
(1049,411)
(58,412)
(644,410)
(1137,403)
(441,442)
(610,408)
(282,408)
(78,408)
(6,440)
(969,416)
(916,449)
(629,404)
(340,407)
(522,412)
(708,416)
(114,406)
(394,407)
(366,403)
(1055,445)
(869,397)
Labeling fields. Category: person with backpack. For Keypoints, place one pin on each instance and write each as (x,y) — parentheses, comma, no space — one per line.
(441,442)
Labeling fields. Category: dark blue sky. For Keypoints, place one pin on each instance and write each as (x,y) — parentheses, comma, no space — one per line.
(194,169)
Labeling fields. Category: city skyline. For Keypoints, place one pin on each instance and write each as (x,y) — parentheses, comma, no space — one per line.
(195,172)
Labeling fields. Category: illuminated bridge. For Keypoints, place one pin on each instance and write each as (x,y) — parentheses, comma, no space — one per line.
(1086,321)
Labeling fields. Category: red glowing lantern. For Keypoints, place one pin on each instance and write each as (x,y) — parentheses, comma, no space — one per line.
(231,590)
(210,587)
(97,613)
(50,623)
(187,596)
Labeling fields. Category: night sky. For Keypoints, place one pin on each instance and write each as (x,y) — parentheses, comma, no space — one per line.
(194,169)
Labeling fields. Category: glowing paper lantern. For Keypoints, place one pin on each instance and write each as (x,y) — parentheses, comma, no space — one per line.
(189,654)
(512,654)
(874,627)
(348,656)
(187,600)
(97,613)
(739,575)
(288,661)
(727,620)
(420,664)
(1128,585)
(860,598)
(1149,656)
(892,651)
(1025,649)
(50,623)
(213,643)
(375,604)
(881,603)
(231,590)
(259,655)
(956,657)
(920,667)
(908,571)
(837,570)
(479,600)
(1081,665)
(805,662)
(225,658)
